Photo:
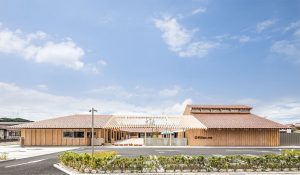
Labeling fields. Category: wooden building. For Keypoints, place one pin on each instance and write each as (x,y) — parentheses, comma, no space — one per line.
(231,125)
(202,125)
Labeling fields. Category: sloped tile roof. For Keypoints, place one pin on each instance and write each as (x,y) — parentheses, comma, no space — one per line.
(73,121)
(236,121)
(203,120)
(117,121)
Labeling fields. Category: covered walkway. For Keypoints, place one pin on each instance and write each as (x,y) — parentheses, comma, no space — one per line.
(153,129)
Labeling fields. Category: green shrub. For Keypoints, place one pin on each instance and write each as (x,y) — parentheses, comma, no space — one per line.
(109,161)
(85,160)
(103,154)
(3,156)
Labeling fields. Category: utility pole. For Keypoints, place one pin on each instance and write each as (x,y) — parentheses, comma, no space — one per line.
(93,110)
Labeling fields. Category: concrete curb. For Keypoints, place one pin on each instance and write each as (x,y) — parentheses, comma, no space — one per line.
(213,147)
(65,170)
(57,166)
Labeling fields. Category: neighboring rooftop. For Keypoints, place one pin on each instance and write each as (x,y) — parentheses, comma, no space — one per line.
(294,125)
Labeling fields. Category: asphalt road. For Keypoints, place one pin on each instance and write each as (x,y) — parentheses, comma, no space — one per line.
(39,165)
(43,165)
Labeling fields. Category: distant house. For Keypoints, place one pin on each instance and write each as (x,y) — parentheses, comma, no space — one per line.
(199,125)
(295,127)
(8,133)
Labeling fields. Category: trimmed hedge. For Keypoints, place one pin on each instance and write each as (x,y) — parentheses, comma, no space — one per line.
(109,162)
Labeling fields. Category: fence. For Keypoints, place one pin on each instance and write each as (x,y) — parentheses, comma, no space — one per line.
(289,139)
(166,142)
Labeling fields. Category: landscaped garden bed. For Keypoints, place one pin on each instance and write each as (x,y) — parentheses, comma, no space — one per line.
(111,162)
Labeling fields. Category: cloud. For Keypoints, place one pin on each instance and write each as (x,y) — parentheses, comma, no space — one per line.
(292,25)
(199,49)
(287,48)
(199,10)
(35,47)
(170,92)
(119,92)
(112,91)
(261,26)
(244,39)
(42,86)
(247,101)
(283,110)
(179,107)
(174,34)
(179,39)
(37,105)
(102,62)
(297,33)
(94,68)
(63,53)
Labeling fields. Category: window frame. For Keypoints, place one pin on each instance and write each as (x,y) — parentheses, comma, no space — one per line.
(70,132)
(81,135)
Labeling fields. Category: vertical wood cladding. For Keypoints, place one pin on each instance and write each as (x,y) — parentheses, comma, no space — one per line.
(196,137)
(233,137)
(55,137)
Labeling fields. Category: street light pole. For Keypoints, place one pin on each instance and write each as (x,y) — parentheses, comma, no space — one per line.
(93,110)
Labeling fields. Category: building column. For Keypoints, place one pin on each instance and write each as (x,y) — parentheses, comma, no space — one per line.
(105,136)
(111,135)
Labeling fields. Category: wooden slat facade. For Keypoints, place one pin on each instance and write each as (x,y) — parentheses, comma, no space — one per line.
(54,137)
(233,137)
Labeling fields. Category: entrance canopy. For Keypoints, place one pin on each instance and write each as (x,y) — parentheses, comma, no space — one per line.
(154,121)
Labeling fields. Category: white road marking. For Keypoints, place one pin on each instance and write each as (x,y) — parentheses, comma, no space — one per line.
(35,161)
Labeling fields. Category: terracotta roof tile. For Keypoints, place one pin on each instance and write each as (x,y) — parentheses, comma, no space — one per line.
(236,121)
(73,121)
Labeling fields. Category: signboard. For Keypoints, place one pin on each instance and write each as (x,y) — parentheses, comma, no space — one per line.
(202,137)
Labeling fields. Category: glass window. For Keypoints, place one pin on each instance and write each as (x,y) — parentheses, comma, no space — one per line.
(79,134)
(89,135)
(68,134)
